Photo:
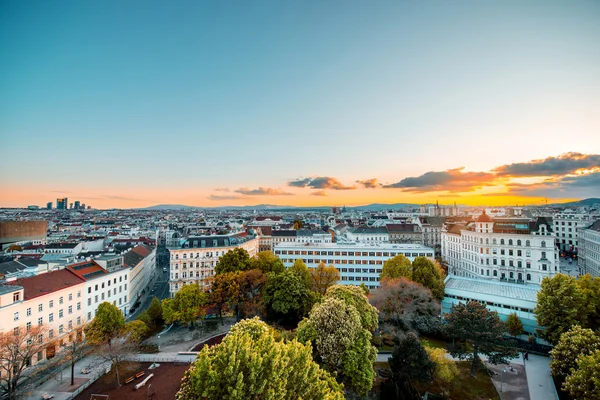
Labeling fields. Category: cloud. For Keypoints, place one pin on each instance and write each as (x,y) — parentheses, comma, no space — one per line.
(452,180)
(572,186)
(222,190)
(369,183)
(321,182)
(216,197)
(261,191)
(319,193)
(567,163)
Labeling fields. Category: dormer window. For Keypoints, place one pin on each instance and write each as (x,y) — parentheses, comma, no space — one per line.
(17,296)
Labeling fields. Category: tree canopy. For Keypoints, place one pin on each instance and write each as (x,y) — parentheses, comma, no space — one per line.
(322,277)
(430,275)
(266,262)
(409,358)
(234,260)
(560,305)
(396,267)
(514,325)
(573,343)
(106,325)
(301,270)
(584,382)
(355,296)
(251,364)
(188,305)
(286,294)
(478,331)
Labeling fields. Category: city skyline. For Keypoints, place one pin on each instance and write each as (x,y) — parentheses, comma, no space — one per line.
(303,104)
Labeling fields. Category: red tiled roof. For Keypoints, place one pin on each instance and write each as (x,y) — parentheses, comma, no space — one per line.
(41,285)
(86,269)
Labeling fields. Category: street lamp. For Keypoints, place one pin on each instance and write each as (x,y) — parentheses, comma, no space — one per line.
(501,371)
(158,342)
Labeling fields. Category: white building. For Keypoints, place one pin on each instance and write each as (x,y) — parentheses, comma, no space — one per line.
(518,250)
(367,235)
(589,249)
(141,264)
(310,236)
(101,285)
(565,228)
(196,257)
(54,299)
(357,262)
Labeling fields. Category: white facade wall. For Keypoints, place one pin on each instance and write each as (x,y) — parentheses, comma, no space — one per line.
(193,265)
(357,263)
(565,228)
(112,287)
(368,237)
(589,252)
(141,275)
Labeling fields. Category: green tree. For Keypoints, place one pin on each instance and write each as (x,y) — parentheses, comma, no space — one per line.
(410,359)
(220,291)
(430,275)
(285,294)
(584,382)
(590,289)
(322,277)
(187,306)
(251,365)
(136,330)
(234,260)
(396,267)
(106,325)
(445,369)
(155,312)
(266,262)
(514,325)
(355,296)
(478,331)
(340,342)
(301,270)
(573,343)
(559,305)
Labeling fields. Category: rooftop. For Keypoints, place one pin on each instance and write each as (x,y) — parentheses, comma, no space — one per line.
(41,285)
(354,245)
(87,270)
(494,288)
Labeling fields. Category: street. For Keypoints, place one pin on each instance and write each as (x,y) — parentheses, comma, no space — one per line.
(569,269)
(158,287)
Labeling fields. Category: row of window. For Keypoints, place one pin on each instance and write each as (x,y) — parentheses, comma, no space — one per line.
(489,303)
(350,253)
(121,278)
(337,262)
(17,297)
(102,295)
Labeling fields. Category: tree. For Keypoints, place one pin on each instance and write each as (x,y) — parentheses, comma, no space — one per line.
(118,350)
(479,331)
(322,277)
(559,305)
(220,292)
(409,358)
(573,343)
(187,306)
(396,267)
(251,364)
(301,270)
(17,350)
(590,288)
(430,275)
(266,262)
(584,382)
(406,305)
(155,312)
(514,325)
(355,296)
(287,295)
(340,342)
(136,330)
(445,369)
(234,260)
(107,324)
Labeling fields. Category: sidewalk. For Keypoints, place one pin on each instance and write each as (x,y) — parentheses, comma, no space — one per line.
(539,380)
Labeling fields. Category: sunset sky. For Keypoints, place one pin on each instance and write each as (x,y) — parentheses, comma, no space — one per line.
(211,103)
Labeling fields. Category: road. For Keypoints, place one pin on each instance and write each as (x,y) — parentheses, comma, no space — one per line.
(569,269)
(159,287)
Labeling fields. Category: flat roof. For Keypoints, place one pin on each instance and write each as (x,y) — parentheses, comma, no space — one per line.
(493,288)
(9,288)
(355,245)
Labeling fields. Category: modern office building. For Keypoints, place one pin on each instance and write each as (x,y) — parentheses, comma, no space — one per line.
(62,204)
(357,262)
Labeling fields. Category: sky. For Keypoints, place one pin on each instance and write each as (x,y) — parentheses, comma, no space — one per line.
(213,103)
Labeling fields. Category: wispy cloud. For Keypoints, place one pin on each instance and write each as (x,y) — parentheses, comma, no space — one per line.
(216,197)
(262,191)
(222,189)
(321,182)
(452,180)
(564,164)
(319,193)
(369,183)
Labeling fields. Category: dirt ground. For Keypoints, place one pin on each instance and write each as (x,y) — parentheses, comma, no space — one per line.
(165,383)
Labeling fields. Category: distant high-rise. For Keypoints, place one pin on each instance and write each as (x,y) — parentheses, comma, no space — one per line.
(61,204)
(82,206)
(71,206)
(49,205)
(77,205)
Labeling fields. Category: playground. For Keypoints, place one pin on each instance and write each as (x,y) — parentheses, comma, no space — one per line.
(163,384)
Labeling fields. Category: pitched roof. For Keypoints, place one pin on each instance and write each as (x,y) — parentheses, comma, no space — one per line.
(87,270)
(136,255)
(41,285)
(392,228)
